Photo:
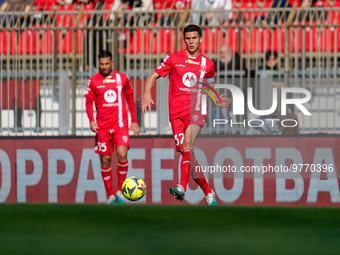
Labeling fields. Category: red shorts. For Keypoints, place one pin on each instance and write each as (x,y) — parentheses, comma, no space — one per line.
(180,124)
(107,138)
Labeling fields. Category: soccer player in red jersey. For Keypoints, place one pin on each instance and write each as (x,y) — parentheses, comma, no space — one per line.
(185,68)
(110,90)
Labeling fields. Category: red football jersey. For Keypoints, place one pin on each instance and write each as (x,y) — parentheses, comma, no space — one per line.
(109,94)
(185,72)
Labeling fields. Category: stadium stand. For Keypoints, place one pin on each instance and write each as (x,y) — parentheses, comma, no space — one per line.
(164,40)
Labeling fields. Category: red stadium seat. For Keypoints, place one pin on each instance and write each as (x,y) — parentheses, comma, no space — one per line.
(164,41)
(46,42)
(210,40)
(150,40)
(232,38)
(324,40)
(68,19)
(246,44)
(256,40)
(8,42)
(295,44)
(45,4)
(141,41)
(307,39)
(262,39)
(68,39)
(28,42)
(279,40)
(134,46)
(329,37)
(334,16)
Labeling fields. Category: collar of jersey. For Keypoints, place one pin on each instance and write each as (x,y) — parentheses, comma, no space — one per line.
(199,54)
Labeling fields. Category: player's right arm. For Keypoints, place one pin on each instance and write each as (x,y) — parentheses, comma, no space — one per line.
(162,70)
(147,100)
(89,111)
(90,95)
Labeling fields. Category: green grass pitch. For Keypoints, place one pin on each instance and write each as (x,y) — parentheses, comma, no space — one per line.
(167,229)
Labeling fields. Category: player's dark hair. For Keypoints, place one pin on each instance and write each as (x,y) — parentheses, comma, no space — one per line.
(192,28)
(271,53)
(105,54)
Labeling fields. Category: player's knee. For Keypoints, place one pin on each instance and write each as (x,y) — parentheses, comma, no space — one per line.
(186,143)
(105,161)
(122,156)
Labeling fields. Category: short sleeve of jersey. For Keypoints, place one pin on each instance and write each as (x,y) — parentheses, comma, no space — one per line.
(210,75)
(89,92)
(211,70)
(165,67)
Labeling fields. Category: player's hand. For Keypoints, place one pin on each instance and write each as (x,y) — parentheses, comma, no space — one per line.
(225,101)
(146,104)
(94,126)
(135,128)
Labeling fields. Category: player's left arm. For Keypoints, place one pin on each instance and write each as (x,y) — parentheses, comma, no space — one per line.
(128,91)
(221,100)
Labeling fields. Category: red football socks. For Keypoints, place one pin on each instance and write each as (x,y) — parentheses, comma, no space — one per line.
(185,169)
(198,176)
(107,179)
(122,168)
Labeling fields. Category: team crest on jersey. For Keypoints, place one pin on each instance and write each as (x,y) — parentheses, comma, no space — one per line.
(166,58)
(125,138)
(189,79)
(110,96)
(195,117)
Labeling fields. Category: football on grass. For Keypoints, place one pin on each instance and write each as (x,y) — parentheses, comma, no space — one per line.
(134,188)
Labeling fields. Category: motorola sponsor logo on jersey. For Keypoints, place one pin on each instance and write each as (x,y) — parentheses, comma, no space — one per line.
(110,97)
(189,80)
